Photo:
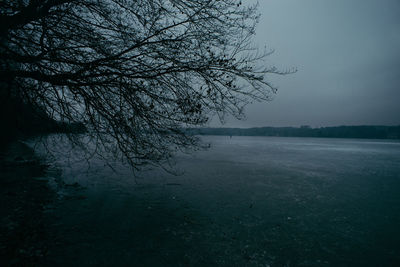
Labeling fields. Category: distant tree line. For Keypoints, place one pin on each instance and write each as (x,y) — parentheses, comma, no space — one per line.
(367,132)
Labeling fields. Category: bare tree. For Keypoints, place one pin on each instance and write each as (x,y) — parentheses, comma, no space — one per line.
(134,72)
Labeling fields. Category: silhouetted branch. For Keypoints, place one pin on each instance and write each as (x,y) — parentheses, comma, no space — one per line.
(134,72)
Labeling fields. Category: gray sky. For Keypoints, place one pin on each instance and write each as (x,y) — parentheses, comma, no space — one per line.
(347,53)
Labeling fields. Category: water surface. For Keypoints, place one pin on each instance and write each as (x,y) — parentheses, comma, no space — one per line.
(246,201)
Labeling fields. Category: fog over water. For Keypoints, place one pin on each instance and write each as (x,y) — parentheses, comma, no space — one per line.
(348,60)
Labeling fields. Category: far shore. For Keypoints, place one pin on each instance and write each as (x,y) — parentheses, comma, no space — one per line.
(359,132)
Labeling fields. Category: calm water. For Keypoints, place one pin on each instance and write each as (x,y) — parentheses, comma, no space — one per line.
(247,201)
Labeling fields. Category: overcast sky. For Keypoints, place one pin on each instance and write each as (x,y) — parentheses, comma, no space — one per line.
(347,53)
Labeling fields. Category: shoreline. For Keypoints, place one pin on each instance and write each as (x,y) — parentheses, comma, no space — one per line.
(26,194)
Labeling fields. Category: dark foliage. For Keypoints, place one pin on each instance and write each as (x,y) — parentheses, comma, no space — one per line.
(134,72)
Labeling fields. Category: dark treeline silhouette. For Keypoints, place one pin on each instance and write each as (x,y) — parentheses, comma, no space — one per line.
(20,120)
(372,132)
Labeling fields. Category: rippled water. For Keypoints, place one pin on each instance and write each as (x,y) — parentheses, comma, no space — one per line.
(247,201)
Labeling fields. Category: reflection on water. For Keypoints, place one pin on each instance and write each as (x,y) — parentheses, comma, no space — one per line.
(247,201)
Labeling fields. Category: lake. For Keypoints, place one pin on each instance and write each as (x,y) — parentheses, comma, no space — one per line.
(246,201)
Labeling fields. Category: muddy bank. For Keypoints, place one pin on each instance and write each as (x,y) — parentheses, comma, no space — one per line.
(24,197)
